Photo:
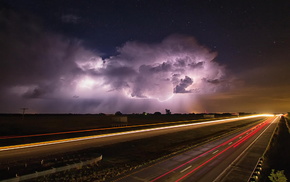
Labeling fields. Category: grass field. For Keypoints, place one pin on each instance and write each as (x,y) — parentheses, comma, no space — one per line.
(18,124)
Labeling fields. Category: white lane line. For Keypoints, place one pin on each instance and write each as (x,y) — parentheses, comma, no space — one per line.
(230,143)
(215,151)
(185,169)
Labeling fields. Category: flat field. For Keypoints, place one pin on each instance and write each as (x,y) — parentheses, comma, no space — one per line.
(17,124)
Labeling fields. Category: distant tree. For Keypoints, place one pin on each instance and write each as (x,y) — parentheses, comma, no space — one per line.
(227,114)
(168,112)
(118,113)
(278,176)
(157,113)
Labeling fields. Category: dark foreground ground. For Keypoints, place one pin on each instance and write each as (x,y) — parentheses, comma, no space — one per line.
(278,155)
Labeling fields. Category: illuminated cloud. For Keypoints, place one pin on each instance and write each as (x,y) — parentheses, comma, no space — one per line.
(176,65)
(52,73)
(184,83)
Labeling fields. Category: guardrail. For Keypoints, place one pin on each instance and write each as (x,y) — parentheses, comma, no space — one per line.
(257,171)
(53,170)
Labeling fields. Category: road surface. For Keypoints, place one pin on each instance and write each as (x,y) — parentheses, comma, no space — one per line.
(213,161)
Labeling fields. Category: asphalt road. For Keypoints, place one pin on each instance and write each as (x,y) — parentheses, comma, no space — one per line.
(18,152)
(214,161)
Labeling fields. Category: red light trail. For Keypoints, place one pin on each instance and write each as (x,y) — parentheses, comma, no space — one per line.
(249,133)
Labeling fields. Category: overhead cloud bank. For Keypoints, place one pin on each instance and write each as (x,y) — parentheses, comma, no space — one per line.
(48,72)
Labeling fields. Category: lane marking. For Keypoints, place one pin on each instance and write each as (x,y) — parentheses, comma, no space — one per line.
(215,151)
(230,143)
(185,169)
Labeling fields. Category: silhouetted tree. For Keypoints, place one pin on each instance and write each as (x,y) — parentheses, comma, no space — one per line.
(157,113)
(118,113)
(167,111)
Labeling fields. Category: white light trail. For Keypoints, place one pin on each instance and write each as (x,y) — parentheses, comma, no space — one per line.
(38,144)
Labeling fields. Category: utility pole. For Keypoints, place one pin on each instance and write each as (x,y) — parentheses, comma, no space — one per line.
(23,112)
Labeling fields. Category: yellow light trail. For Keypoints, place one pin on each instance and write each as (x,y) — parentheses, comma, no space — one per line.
(89,130)
(38,144)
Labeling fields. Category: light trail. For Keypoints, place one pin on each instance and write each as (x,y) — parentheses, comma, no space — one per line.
(249,135)
(202,164)
(238,143)
(37,144)
(89,130)
(193,159)
(241,154)
(102,129)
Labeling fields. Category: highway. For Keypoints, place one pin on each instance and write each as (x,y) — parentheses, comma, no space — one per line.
(210,162)
(18,152)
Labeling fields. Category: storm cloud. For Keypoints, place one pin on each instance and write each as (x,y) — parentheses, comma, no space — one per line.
(49,72)
(181,88)
(176,65)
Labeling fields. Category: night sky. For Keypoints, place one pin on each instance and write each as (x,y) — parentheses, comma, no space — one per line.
(134,56)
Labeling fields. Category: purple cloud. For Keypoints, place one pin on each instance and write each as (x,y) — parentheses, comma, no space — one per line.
(47,71)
